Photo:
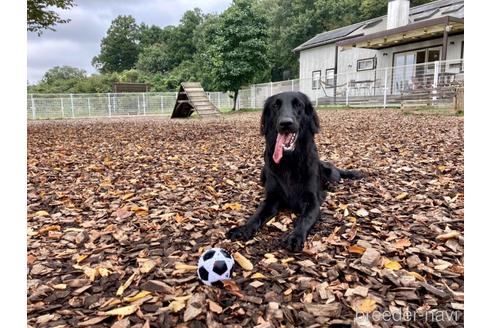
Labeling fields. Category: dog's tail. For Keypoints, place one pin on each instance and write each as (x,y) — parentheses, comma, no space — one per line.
(350,174)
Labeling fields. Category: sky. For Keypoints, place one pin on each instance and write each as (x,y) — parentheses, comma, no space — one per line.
(77,42)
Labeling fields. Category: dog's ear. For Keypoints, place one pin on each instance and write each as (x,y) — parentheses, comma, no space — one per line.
(265,115)
(311,113)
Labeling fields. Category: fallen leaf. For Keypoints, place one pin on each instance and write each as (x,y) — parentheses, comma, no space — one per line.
(214,307)
(401,196)
(232,206)
(402,243)
(41,213)
(258,275)
(306,263)
(365,305)
(176,306)
(49,228)
(362,213)
(392,265)
(231,286)
(256,284)
(146,266)
(80,258)
(122,311)
(103,272)
(417,276)
(122,213)
(448,235)
(356,249)
(243,261)
(136,297)
(124,286)
(127,196)
(185,267)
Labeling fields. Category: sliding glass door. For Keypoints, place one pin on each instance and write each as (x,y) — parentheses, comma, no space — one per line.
(414,69)
(403,71)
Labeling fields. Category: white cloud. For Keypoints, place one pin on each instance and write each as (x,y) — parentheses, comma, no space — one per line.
(77,42)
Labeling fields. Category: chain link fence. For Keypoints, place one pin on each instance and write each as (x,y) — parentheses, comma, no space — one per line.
(432,83)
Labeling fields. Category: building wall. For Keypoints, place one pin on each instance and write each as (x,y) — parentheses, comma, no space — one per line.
(315,59)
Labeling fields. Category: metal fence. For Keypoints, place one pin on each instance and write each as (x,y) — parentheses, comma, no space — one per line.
(433,82)
(378,87)
(60,106)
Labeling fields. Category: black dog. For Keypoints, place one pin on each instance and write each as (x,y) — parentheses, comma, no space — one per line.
(293,176)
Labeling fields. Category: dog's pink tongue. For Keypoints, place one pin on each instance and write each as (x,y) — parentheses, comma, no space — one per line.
(279,150)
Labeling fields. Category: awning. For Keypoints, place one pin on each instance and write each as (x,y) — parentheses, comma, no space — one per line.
(428,29)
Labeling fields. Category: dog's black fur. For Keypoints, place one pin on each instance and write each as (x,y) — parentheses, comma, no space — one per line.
(300,180)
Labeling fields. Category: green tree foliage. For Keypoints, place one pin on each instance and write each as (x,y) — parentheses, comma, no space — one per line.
(119,48)
(149,35)
(40,15)
(63,73)
(180,39)
(154,59)
(239,50)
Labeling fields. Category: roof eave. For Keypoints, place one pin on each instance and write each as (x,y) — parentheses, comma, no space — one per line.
(401,29)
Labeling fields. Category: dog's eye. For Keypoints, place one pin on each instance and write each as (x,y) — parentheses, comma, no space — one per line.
(276,105)
(297,105)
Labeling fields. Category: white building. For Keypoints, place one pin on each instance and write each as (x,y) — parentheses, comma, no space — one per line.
(356,56)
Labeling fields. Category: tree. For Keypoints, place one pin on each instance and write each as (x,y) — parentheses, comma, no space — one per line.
(40,16)
(63,73)
(149,35)
(240,47)
(119,48)
(179,40)
(373,8)
(154,59)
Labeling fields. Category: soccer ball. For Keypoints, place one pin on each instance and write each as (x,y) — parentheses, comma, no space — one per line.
(214,266)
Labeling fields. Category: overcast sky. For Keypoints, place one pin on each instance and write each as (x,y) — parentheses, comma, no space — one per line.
(77,42)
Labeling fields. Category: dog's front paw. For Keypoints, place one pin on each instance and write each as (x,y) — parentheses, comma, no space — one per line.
(243,232)
(294,242)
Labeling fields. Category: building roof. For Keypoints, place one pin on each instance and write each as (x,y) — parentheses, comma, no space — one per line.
(454,8)
(420,30)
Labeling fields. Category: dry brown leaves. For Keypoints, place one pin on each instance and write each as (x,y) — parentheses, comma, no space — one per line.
(120,210)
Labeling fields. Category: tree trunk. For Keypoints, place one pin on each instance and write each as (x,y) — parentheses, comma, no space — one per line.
(236,93)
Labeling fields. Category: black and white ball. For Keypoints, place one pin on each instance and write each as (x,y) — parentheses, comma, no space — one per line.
(214,266)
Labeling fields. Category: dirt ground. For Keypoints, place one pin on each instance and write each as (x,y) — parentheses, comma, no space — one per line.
(120,210)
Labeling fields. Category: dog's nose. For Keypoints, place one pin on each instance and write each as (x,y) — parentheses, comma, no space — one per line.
(286,122)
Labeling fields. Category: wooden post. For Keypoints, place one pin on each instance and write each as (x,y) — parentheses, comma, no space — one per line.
(162,104)
(89,105)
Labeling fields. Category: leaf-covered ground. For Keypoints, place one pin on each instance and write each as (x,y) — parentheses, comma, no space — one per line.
(120,210)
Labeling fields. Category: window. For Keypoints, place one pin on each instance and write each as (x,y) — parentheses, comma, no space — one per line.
(330,78)
(316,80)
(366,64)
(433,55)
